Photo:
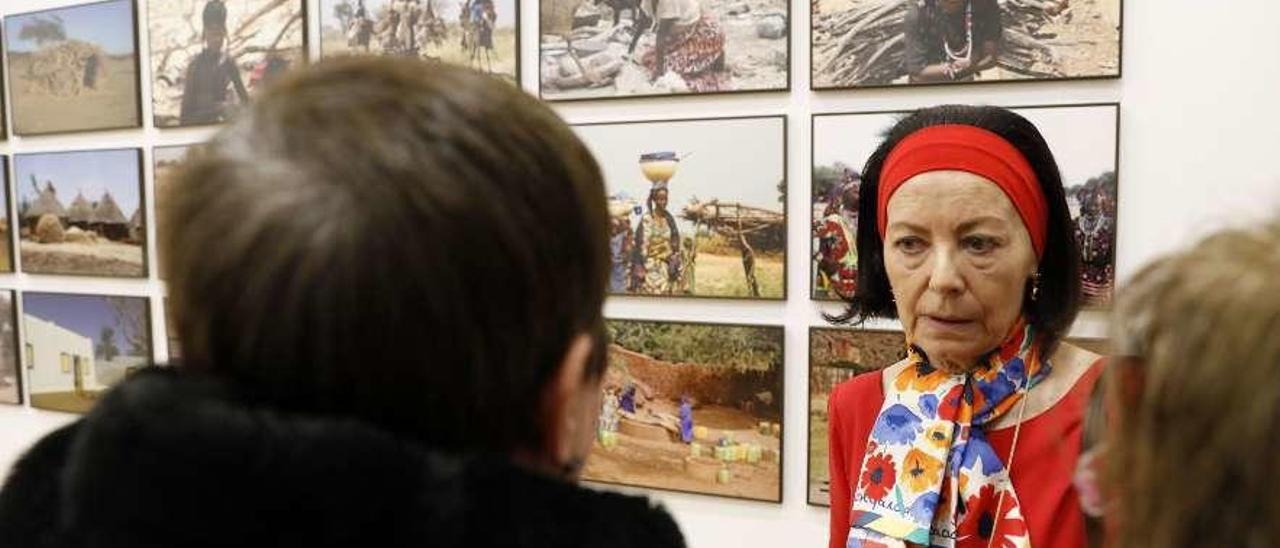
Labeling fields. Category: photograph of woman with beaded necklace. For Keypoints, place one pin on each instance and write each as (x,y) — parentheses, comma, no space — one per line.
(872,43)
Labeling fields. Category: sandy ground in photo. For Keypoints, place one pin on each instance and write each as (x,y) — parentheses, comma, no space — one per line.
(67,402)
(658,464)
(104,258)
(115,104)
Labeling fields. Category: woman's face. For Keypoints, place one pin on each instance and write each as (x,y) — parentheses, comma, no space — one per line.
(958,258)
(660,200)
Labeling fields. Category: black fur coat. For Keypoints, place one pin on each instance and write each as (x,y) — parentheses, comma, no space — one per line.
(170,461)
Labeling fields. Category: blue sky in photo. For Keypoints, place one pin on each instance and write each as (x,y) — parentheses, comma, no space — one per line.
(90,172)
(109,25)
(84,314)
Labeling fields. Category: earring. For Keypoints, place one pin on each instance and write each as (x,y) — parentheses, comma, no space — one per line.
(1035,286)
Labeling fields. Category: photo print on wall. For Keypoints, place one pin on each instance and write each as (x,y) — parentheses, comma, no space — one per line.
(10,379)
(1084,141)
(209,57)
(82,213)
(697,206)
(692,407)
(165,164)
(6,227)
(835,356)
(637,48)
(75,347)
(480,34)
(74,68)
(874,43)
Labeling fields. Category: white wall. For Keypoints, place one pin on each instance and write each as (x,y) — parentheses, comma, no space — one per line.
(1200,133)
(43,364)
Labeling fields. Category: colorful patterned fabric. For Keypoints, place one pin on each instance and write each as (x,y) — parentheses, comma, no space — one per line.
(696,52)
(930,477)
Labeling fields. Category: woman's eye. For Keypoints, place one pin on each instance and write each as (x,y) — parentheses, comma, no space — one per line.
(910,245)
(980,244)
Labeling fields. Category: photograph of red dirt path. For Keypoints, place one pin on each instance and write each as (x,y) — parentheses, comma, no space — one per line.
(694,408)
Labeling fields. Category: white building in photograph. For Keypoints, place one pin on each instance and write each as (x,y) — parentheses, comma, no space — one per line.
(58,359)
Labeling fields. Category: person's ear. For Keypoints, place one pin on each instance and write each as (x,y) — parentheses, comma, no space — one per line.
(565,402)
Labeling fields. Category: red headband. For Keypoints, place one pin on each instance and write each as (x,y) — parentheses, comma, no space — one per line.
(974,150)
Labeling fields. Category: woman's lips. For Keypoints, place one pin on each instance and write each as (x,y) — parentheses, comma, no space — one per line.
(946,324)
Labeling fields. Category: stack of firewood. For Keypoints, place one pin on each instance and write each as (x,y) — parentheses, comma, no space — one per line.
(864,45)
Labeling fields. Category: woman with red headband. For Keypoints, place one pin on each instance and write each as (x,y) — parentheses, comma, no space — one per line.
(964,235)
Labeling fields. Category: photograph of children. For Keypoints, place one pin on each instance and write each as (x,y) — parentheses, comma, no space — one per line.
(870,43)
(480,34)
(10,380)
(1084,141)
(6,248)
(835,356)
(165,163)
(81,213)
(209,57)
(692,407)
(592,49)
(697,206)
(75,347)
(74,68)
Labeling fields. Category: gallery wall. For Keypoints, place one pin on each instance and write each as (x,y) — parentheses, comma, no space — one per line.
(1200,126)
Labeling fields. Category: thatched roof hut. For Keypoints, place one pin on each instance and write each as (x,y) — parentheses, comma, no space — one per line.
(45,204)
(81,211)
(106,212)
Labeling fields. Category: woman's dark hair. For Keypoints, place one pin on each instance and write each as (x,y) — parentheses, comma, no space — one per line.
(413,245)
(1058,301)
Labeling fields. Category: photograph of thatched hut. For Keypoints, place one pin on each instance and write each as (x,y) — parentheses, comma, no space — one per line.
(697,206)
(80,213)
(480,34)
(75,347)
(209,57)
(871,43)
(10,379)
(692,407)
(835,356)
(74,68)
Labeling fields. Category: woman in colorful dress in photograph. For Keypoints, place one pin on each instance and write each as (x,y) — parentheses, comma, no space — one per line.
(657,247)
(689,42)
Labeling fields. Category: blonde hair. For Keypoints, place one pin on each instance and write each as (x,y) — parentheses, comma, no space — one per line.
(1195,457)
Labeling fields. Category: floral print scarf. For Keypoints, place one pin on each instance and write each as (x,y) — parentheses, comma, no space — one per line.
(929,476)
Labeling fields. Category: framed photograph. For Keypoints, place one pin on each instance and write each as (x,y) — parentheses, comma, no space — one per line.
(209,57)
(835,356)
(620,48)
(10,379)
(6,227)
(480,34)
(4,120)
(82,213)
(75,347)
(698,207)
(877,43)
(74,68)
(165,163)
(1084,140)
(692,407)
(171,334)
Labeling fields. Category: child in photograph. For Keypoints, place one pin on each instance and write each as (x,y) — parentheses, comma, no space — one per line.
(686,419)
(951,40)
(211,73)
